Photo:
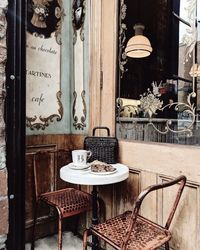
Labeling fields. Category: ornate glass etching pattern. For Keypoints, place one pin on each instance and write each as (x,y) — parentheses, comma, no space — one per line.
(148,107)
(149,103)
(190,38)
(122,38)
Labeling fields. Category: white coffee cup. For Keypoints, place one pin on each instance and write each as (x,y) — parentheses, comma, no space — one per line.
(80,157)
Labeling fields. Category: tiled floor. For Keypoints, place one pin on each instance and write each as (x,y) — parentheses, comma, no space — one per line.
(70,242)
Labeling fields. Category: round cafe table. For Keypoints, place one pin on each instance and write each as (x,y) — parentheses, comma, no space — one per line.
(86,177)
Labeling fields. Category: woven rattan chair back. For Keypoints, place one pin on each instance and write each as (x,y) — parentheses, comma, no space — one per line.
(67,201)
(131,231)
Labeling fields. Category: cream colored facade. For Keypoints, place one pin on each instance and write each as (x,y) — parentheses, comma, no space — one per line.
(149,163)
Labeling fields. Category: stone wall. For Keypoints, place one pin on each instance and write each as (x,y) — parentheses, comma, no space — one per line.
(3,169)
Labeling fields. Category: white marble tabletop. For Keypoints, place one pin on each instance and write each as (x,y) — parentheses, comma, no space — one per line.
(86,177)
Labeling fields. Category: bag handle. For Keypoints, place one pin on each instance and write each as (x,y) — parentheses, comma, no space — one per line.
(95,128)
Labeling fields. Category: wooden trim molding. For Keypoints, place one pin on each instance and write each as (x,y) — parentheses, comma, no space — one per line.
(109,62)
(95,59)
(103,63)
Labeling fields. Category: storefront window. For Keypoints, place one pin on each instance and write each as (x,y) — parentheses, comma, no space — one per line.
(158,96)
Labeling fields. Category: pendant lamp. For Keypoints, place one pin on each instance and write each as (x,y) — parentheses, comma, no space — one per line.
(195,70)
(139,45)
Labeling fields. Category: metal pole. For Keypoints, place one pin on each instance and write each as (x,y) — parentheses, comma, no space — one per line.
(95,241)
(15,122)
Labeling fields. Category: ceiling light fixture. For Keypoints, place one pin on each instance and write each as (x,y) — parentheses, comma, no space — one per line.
(195,70)
(139,45)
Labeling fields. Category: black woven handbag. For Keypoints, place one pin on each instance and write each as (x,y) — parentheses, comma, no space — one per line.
(103,148)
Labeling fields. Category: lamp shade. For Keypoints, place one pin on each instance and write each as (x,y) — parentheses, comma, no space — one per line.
(195,70)
(138,46)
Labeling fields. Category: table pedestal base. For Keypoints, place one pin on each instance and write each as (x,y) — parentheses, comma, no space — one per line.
(95,242)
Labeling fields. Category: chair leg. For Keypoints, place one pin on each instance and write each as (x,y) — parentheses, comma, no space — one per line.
(85,236)
(167,246)
(59,231)
(34,226)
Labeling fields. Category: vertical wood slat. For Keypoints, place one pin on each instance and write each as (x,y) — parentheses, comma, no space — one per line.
(95,59)
(149,206)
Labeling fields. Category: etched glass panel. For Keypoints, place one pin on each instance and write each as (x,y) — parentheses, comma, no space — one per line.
(158,96)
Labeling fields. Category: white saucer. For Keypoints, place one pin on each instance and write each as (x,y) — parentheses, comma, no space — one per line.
(78,167)
(104,173)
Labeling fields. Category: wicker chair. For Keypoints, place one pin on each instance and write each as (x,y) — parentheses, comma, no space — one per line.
(67,202)
(130,231)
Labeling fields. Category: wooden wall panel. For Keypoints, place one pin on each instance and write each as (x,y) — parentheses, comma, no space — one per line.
(48,183)
(61,141)
(149,205)
(159,162)
(35,143)
(39,143)
(165,159)
(45,176)
(127,191)
(186,219)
